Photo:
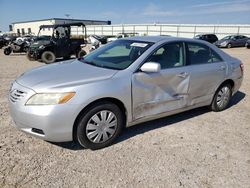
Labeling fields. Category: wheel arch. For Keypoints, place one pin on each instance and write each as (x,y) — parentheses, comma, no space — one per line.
(49,48)
(228,81)
(116,101)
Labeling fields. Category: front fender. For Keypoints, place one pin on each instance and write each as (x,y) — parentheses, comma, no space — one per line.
(116,88)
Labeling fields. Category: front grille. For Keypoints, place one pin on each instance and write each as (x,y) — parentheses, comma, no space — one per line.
(16,95)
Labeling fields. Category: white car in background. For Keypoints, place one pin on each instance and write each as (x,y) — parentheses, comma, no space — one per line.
(122,35)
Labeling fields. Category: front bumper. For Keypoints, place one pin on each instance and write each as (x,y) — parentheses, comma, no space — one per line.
(35,53)
(49,122)
(221,45)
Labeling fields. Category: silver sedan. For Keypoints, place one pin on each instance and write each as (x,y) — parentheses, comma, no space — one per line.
(126,82)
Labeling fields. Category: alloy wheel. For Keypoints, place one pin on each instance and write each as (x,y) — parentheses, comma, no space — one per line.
(223,97)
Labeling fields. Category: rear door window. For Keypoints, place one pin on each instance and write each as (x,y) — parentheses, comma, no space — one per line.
(201,54)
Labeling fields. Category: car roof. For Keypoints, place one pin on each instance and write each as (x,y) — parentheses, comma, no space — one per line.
(153,39)
(156,39)
(235,35)
(205,34)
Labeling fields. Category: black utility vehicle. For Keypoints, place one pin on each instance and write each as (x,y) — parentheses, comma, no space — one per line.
(212,38)
(60,44)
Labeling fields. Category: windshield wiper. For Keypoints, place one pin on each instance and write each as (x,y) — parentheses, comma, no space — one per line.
(89,62)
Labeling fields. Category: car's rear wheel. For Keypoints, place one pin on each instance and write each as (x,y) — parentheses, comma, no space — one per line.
(229,45)
(48,57)
(100,125)
(222,98)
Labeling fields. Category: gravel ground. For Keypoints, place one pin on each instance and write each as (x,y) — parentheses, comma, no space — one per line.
(198,148)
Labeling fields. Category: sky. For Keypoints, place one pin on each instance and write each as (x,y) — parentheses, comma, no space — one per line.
(128,11)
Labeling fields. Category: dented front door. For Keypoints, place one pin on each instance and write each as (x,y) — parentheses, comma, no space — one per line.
(155,93)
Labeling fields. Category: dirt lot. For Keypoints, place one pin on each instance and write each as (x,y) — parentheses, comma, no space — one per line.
(198,148)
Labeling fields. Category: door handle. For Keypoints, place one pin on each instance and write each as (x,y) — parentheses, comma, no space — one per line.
(183,75)
(222,68)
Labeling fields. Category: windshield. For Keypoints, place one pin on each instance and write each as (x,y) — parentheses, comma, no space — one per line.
(42,37)
(227,37)
(118,55)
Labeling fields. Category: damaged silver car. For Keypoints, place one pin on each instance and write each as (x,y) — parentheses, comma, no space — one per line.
(123,83)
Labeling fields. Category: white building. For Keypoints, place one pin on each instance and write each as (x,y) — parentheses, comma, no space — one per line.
(32,27)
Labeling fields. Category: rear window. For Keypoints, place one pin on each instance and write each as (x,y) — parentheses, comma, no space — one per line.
(212,36)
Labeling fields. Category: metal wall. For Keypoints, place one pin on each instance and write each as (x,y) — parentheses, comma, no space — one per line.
(181,30)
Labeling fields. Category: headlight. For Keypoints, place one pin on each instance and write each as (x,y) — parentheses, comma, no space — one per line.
(41,47)
(224,43)
(49,98)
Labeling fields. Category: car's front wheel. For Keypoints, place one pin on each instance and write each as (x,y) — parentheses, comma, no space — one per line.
(222,98)
(100,125)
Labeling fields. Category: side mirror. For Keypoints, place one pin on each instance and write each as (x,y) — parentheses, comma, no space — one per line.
(151,67)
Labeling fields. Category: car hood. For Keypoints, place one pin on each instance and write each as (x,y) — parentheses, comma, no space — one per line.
(222,40)
(62,75)
(39,43)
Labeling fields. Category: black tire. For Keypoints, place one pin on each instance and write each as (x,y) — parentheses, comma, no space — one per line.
(48,57)
(81,54)
(214,105)
(29,57)
(81,131)
(229,45)
(7,51)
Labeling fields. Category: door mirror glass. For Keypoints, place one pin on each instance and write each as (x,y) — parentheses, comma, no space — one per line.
(151,67)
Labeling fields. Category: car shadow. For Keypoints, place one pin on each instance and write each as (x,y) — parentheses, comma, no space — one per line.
(169,120)
(237,98)
(61,59)
(156,124)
